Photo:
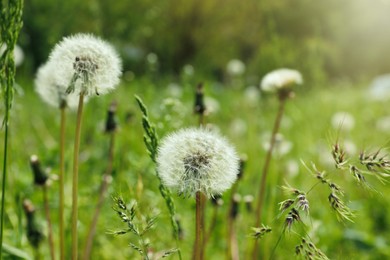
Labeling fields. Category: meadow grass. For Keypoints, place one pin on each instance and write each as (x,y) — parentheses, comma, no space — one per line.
(307,124)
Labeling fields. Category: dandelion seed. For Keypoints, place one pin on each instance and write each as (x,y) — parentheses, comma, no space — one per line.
(86,64)
(193,160)
(280,79)
(50,92)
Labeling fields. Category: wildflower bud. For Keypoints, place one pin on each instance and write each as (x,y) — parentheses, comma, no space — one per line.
(248,199)
(111,123)
(40,176)
(242,167)
(234,210)
(199,107)
(34,234)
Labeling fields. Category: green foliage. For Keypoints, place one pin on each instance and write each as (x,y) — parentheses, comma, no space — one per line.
(314,37)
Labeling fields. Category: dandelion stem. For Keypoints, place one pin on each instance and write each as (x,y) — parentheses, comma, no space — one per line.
(232,237)
(198,254)
(48,219)
(61,183)
(75,176)
(265,172)
(102,196)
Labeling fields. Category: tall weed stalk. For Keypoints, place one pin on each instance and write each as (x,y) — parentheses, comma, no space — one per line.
(11,24)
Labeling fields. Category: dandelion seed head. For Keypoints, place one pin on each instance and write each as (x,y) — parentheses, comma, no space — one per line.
(50,92)
(193,160)
(86,64)
(280,79)
(235,67)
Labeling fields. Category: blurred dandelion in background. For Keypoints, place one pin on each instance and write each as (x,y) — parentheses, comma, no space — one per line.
(343,121)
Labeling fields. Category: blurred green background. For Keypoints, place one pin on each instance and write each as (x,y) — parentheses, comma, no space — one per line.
(330,39)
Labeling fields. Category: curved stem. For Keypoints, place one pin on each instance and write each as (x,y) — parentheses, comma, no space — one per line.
(61,183)
(48,219)
(75,177)
(265,173)
(102,196)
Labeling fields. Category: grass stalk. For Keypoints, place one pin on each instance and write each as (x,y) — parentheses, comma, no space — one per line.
(75,177)
(4,179)
(61,183)
(48,219)
(102,196)
(259,207)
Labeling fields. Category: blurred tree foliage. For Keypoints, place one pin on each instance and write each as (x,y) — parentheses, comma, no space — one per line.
(323,39)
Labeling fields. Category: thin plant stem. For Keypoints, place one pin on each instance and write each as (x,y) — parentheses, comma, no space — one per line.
(48,219)
(102,196)
(75,176)
(10,26)
(198,254)
(261,193)
(61,183)
(3,189)
(232,238)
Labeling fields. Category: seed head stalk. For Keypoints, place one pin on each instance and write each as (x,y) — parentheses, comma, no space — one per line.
(75,176)
(61,183)
(48,219)
(282,99)
(199,226)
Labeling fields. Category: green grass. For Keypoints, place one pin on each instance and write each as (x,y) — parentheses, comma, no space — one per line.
(35,130)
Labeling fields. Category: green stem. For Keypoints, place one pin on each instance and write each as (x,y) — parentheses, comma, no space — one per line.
(265,173)
(48,219)
(61,182)
(75,177)
(6,122)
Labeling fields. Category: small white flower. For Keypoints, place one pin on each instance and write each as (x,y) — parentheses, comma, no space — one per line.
(235,67)
(193,160)
(280,79)
(343,120)
(86,64)
(50,92)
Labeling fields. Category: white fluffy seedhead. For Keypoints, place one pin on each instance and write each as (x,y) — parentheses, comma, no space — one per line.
(280,79)
(193,160)
(86,64)
(52,93)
